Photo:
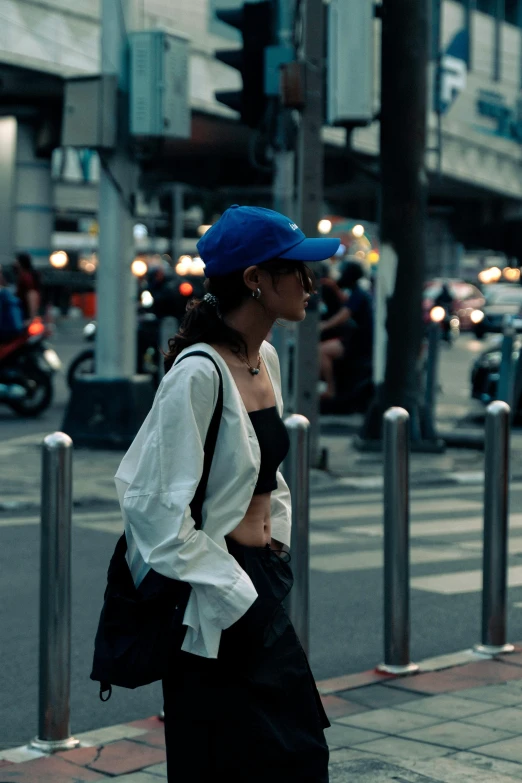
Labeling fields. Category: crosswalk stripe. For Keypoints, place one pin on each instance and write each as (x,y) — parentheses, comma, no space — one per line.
(437,527)
(329,513)
(374,558)
(460,581)
(356,498)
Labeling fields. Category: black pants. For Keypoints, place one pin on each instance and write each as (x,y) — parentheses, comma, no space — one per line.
(254,713)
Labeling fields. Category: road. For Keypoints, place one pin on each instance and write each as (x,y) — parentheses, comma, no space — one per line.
(346,595)
(346,578)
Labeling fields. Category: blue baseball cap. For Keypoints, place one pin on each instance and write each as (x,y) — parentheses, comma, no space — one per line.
(245,236)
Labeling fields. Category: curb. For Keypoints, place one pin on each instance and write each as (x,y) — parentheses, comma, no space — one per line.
(347,682)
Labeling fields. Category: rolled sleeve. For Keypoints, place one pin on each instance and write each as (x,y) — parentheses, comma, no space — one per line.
(157,500)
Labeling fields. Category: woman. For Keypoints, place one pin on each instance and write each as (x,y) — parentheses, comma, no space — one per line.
(240,698)
(28,286)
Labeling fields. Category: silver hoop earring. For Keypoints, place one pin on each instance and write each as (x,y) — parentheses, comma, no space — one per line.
(257,293)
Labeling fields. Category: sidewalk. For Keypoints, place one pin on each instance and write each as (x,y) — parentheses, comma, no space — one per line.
(459,720)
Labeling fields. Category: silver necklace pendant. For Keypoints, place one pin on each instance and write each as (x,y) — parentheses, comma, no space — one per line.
(254,370)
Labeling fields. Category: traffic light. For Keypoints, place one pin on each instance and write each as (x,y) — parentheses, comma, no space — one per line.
(255,23)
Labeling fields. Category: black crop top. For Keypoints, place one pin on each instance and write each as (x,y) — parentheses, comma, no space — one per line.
(274,444)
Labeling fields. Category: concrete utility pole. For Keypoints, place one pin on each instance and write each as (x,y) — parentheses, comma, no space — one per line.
(310,205)
(106,410)
(404,61)
(116,286)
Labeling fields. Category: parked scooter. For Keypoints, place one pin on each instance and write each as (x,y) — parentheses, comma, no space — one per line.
(27,366)
(148,354)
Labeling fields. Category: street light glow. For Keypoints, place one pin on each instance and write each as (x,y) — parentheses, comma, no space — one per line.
(59,259)
(324,226)
(139,267)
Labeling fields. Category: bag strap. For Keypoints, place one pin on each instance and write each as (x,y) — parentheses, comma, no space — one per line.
(196,506)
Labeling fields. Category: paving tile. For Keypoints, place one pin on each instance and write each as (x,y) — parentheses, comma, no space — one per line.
(506,693)
(378,695)
(110,734)
(389,721)
(48,769)
(514,658)
(337,708)
(489,671)
(339,736)
(489,764)
(148,724)
(138,777)
(376,770)
(446,706)
(509,749)
(505,718)
(453,734)
(398,747)
(119,758)
(339,755)
(433,682)
(160,770)
(156,738)
(4,763)
(349,681)
(448,770)
(81,756)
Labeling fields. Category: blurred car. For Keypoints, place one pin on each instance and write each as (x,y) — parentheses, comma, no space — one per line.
(485,372)
(503,301)
(467,298)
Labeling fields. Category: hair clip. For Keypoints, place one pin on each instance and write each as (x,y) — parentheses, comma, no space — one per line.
(212,301)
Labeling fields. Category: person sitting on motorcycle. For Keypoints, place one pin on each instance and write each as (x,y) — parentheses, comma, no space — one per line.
(348,332)
(444,298)
(11,318)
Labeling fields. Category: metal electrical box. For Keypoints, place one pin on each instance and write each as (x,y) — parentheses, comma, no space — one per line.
(350,62)
(158,88)
(89,112)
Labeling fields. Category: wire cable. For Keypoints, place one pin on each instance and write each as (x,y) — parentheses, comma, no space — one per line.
(127,203)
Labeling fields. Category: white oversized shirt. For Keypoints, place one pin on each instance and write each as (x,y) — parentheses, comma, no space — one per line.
(157,479)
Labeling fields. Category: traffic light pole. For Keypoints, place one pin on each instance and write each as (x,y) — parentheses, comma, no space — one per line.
(106,410)
(310,201)
(284,194)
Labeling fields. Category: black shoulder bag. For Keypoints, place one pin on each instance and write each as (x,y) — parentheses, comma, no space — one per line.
(140,629)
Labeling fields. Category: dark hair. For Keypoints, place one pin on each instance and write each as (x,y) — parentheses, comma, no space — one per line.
(203,321)
(352,272)
(24,259)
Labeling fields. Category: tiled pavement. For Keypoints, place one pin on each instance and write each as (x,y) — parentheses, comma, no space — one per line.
(458,719)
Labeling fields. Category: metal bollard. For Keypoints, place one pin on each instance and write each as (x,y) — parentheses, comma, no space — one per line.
(496,489)
(506,372)
(430,396)
(296,471)
(396,544)
(55,597)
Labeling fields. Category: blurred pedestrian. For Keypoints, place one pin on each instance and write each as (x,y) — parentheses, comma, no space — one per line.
(28,286)
(11,320)
(240,698)
(347,330)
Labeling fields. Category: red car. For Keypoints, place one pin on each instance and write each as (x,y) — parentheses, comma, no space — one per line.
(466,298)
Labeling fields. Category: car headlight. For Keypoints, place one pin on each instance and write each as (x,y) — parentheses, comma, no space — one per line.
(491,360)
(477,316)
(146,299)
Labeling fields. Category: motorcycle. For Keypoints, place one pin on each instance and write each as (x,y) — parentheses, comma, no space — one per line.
(148,353)
(149,357)
(27,366)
